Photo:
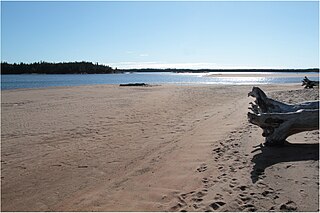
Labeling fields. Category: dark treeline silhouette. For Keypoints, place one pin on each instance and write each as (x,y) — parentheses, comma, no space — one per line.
(90,68)
(56,68)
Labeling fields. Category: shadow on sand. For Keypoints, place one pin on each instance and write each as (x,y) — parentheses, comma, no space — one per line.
(269,156)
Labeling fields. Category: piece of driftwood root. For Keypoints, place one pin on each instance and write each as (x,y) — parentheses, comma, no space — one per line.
(308,83)
(280,120)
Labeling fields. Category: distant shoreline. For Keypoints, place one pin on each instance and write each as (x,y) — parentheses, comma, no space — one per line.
(264,75)
(90,68)
(223,72)
(220,70)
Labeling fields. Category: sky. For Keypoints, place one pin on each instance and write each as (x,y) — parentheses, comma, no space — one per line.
(195,35)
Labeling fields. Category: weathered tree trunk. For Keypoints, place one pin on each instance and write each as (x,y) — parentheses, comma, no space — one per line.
(263,104)
(280,120)
(308,83)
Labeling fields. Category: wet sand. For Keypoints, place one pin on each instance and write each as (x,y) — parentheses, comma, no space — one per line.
(158,148)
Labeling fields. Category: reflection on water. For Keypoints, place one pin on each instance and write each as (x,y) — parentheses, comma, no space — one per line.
(246,80)
(38,81)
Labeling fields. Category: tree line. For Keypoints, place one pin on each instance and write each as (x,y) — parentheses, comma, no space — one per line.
(56,68)
(218,70)
(90,68)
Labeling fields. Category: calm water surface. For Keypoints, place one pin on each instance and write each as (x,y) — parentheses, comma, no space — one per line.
(40,81)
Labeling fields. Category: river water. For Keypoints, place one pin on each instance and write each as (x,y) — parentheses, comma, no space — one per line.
(41,81)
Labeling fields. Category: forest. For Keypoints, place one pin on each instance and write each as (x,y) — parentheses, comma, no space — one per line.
(56,68)
(91,68)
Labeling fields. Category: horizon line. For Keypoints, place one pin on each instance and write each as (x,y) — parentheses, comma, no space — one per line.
(162,67)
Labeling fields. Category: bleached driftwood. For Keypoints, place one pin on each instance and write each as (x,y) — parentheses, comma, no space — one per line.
(280,120)
(263,104)
(308,83)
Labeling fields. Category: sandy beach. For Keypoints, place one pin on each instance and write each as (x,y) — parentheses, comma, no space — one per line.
(157,148)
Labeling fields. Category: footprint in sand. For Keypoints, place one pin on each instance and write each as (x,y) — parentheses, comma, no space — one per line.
(242,188)
(200,194)
(197,199)
(288,206)
(267,193)
(248,207)
(189,200)
(205,180)
(221,168)
(202,168)
(272,209)
(176,207)
(216,205)
(218,197)
(244,198)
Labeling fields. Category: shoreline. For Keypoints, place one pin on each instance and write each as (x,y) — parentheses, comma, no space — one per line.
(264,75)
(158,148)
(158,84)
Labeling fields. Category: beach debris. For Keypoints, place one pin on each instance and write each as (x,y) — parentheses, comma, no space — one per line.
(280,120)
(133,84)
(308,83)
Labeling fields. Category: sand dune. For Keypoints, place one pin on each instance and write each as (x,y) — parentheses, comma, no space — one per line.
(159,148)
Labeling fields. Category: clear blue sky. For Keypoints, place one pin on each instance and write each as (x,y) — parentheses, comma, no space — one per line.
(163,34)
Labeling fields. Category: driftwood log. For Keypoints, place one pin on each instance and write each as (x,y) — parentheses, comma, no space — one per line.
(280,120)
(134,85)
(308,83)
